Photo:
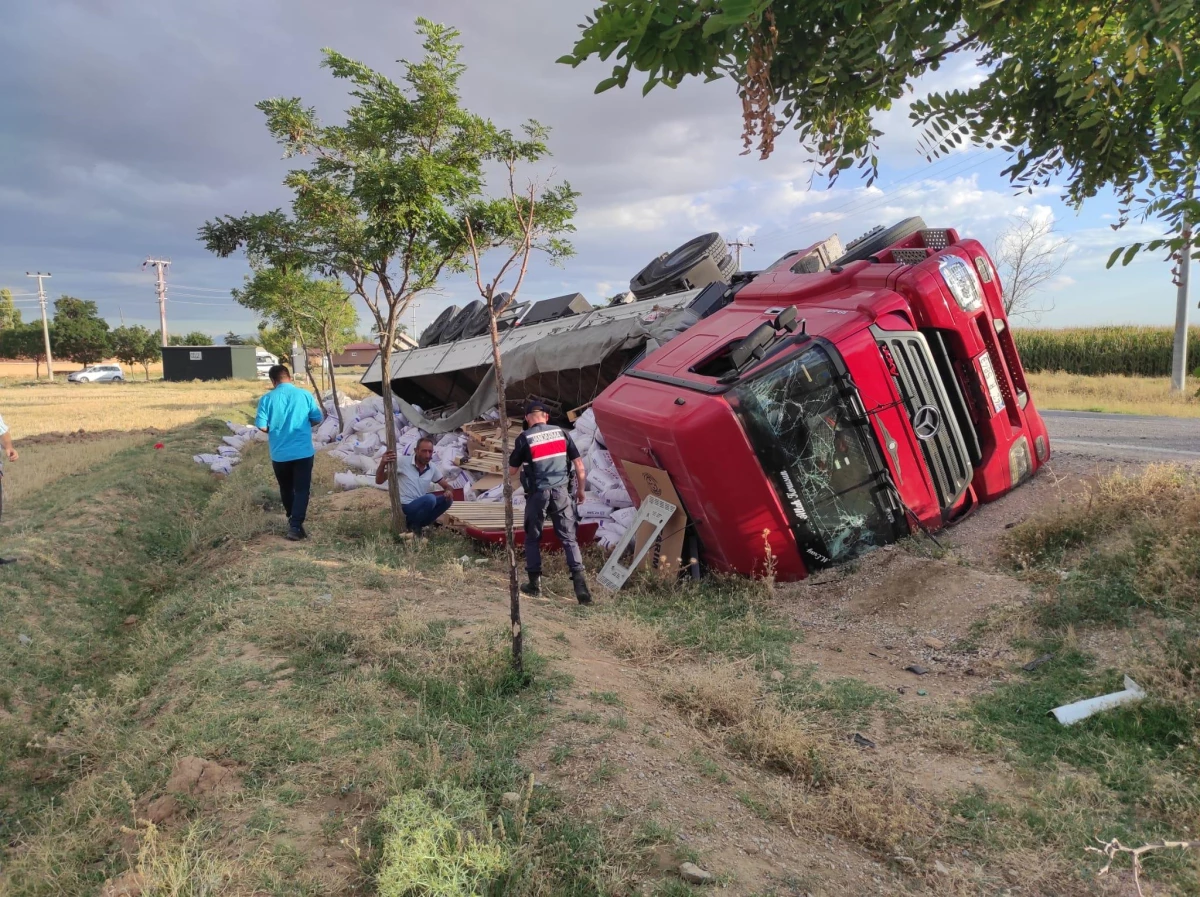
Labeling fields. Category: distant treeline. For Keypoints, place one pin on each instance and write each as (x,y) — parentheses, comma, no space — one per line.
(1140,351)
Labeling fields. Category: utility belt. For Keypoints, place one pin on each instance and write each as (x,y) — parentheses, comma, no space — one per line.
(528,478)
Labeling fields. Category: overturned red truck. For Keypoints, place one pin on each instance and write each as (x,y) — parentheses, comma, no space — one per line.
(828,404)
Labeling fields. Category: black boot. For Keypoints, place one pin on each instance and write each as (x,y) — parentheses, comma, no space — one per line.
(581,589)
(533,588)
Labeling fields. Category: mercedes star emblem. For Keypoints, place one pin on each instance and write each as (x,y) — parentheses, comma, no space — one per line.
(926,422)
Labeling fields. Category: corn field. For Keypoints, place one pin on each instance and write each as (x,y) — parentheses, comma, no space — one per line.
(1133,351)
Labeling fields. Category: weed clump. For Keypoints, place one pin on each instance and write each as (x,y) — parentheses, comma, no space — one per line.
(438,842)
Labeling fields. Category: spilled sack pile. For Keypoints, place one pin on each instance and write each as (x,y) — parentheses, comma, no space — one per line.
(362,439)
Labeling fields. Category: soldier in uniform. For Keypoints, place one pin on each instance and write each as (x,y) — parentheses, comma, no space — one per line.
(545,455)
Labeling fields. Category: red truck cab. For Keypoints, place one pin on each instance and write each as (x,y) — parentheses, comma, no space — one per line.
(818,414)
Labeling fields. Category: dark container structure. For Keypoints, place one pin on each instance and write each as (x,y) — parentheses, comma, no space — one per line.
(210,363)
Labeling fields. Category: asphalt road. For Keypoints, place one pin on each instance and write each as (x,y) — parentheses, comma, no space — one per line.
(1124,436)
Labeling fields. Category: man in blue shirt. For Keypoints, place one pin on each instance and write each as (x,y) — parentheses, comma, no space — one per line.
(287,414)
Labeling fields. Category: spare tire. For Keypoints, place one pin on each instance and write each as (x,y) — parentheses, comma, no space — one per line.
(879,239)
(454,330)
(430,335)
(664,271)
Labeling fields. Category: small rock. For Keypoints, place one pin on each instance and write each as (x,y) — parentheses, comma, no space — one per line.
(693,874)
(1037,662)
(322,600)
(481,560)
(131,619)
(916,668)
(24,640)
(510,800)
(776,676)
(861,741)
(922,692)
(901,690)
(940,867)
(935,643)
(902,604)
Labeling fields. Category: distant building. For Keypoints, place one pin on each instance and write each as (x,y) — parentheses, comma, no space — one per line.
(362,354)
(356,355)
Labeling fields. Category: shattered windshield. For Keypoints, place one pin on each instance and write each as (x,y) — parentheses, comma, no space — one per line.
(818,455)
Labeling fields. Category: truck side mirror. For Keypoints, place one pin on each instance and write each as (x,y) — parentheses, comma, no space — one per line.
(786,319)
(752,347)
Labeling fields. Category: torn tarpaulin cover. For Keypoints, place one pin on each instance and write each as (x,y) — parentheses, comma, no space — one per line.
(572,350)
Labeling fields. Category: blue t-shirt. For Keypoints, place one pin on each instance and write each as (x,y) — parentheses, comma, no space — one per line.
(288,414)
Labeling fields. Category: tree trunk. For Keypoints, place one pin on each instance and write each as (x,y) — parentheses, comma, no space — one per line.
(510,547)
(385,383)
(311,378)
(146,368)
(333,388)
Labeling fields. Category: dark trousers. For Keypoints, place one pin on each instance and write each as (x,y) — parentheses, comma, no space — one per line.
(423,511)
(556,502)
(295,482)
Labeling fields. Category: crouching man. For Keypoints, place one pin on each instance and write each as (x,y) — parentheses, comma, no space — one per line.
(544,455)
(421,506)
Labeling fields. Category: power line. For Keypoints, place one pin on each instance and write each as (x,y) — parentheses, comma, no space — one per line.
(201,289)
(45,324)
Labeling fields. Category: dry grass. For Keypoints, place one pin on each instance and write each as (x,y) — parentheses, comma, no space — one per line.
(42,465)
(724,694)
(68,407)
(1112,393)
(630,638)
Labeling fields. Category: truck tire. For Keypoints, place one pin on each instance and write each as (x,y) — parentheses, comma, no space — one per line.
(430,335)
(477,324)
(877,240)
(658,276)
(454,330)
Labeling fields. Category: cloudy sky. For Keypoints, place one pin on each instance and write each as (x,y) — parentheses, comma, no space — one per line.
(124,125)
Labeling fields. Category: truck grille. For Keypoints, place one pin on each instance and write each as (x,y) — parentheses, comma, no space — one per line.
(945,451)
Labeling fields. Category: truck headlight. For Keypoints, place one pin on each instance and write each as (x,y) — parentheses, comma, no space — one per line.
(1019,462)
(960,279)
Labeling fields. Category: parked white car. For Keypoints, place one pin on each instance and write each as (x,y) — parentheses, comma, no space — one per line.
(265,361)
(98,373)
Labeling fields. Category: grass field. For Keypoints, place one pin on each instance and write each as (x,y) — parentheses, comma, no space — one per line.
(99,407)
(1113,393)
(195,705)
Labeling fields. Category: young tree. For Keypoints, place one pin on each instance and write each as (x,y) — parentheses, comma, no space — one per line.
(1028,255)
(514,226)
(10,315)
(136,345)
(82,333)
(380,205)
(317,313)
(25,342)
(233,339)
(276,340)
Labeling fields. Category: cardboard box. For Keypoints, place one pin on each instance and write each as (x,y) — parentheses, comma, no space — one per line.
(666,556)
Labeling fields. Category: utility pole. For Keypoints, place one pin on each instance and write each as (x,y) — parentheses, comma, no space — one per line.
(737,250)
(1180,349)
(45,323)
(160,265)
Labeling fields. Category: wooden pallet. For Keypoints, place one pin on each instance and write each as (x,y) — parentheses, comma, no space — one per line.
(485,446)
(485,515)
